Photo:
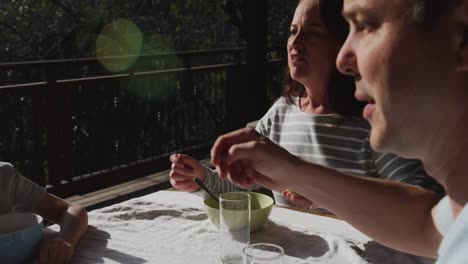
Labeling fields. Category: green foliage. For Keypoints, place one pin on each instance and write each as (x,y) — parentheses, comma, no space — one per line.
(64,29)
(280,14)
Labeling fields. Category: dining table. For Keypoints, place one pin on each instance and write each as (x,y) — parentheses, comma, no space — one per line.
(172,227)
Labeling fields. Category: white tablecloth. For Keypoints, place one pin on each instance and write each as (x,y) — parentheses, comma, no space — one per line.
(171,227)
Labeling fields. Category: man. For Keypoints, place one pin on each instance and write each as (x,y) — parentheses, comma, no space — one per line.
(410,61)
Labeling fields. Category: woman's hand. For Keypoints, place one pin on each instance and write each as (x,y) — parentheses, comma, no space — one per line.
(55,251)
(73,222)
(184,170)
(298,200)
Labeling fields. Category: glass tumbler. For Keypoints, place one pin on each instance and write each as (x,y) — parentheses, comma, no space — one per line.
(263,253)
(234,226)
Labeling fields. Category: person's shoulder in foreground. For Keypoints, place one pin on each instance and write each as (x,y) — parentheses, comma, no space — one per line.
(454,247)
(19,194)
(435,32)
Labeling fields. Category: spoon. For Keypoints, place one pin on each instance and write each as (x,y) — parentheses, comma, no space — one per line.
(200,183)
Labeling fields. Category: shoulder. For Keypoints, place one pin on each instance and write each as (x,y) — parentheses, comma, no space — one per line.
(8,181)
(278,112)
(279,109)
(283,104)
(6,166)
(9,176)
(455,243)
(6,171)
(283,107)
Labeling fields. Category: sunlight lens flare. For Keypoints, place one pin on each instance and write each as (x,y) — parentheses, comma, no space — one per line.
(118,45)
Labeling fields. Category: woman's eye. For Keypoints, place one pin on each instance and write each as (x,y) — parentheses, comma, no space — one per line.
(305,33)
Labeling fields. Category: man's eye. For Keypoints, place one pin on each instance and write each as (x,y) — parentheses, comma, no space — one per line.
(360,27)
(313,33)
(365,26)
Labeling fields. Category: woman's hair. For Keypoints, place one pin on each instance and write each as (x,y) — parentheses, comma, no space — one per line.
(429,12)
(341,87)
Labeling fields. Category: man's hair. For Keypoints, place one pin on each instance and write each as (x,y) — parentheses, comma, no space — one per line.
(429,12)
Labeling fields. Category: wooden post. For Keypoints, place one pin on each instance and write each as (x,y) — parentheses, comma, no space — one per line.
(235,95)
(256,94)
(38,119)
(57,129)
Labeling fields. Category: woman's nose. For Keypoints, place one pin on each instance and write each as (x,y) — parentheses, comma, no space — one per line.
(297,41)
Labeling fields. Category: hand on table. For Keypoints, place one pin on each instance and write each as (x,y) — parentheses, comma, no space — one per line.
(55,251)
(184,170)
(246,157)
(299,200)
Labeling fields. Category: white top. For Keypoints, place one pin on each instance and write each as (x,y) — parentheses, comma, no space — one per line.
(443,215)
(17,193)
(454,246)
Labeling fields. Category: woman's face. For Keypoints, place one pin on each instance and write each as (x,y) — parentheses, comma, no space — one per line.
(312,49)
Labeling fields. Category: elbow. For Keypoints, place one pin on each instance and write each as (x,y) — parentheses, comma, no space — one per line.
(430,234)
(433,240)
(81,216)
(430,251)
(83,220)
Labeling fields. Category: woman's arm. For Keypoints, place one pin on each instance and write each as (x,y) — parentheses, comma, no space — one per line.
(73,222)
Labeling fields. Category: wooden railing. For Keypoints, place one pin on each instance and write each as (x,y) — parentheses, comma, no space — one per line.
(74,126)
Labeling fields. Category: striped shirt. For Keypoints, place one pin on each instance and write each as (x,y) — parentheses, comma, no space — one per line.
(332,141)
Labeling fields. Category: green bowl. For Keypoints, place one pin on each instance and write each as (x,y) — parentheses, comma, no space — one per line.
(260,205)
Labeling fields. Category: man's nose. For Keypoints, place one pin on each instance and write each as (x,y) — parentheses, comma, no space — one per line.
(346,61)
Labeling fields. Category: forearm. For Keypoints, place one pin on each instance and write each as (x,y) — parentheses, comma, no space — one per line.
(397,215)
(73,224)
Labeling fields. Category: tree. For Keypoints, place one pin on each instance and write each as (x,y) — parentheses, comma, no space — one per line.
(64,29)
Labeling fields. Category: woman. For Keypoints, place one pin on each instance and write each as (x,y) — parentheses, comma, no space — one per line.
(20,195)
(317,118)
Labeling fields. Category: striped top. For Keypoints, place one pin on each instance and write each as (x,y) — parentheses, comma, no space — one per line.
(332,141)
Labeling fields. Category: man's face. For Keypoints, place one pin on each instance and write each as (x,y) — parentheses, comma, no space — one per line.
(401,69)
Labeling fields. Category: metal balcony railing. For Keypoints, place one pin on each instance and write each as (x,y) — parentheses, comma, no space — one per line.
(80,125)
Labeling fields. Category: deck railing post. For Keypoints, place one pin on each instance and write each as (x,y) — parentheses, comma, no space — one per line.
(256,95)
(58,128)
(234,97)
(38,166)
